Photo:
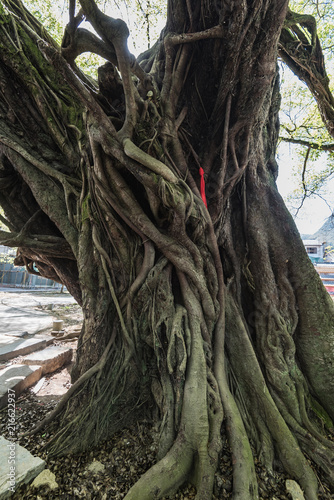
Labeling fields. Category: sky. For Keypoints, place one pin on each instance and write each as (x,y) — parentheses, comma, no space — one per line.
(315,210)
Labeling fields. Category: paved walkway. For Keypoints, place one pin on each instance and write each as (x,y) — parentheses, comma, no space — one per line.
(21,321)
(18,313)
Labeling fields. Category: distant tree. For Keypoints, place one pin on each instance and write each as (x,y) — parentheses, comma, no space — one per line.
(211,320)
(305,121)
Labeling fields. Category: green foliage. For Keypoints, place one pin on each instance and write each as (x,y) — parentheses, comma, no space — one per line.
(145,19)
(301,122)
(52,14)
(89,63)
(6,259)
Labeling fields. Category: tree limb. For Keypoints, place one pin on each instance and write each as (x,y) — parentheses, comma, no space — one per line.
(308,144)
(47,244)
(305,59)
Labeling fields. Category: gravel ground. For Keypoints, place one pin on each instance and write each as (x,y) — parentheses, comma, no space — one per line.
(125,458)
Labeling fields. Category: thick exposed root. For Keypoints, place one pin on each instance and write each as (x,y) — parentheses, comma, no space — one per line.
(259,401)
(244,477)
(194,454)
(165,477)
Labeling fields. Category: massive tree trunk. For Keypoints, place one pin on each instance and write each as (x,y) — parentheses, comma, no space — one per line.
(210,319)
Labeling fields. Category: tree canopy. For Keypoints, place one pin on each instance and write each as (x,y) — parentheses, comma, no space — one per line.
(301,123)
(150,192)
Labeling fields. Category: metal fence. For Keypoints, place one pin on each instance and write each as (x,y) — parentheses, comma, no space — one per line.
(18,277)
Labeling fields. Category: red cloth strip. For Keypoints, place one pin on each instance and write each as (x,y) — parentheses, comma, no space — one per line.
(201,173)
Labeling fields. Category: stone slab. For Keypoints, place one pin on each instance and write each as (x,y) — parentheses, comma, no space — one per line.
(42,336)
(17,378)
(50,359)
(5,339)
(12,347)
(21,335)
(17,466)
(18,320)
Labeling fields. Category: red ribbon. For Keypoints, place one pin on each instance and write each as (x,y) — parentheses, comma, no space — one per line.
(201,173)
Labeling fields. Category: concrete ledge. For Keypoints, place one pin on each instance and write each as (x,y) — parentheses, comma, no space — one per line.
(17,378)
(17,466)
(10,348)
(42,336)
(50,359)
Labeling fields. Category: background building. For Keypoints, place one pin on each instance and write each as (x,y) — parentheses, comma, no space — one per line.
(315,250)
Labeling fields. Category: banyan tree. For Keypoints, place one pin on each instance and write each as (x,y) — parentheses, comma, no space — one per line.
(151,194)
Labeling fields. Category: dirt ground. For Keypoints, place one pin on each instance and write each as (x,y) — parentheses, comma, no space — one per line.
(58,383)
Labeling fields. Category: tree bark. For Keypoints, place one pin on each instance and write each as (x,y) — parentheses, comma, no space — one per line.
(208,319)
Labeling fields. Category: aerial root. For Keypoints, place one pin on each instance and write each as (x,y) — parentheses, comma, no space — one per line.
(321,451)
(73,389)
(166,476)
(244,476)
(184,461)
(194,454)
(259,396)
